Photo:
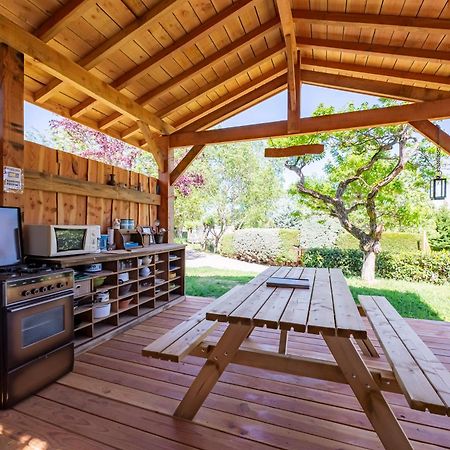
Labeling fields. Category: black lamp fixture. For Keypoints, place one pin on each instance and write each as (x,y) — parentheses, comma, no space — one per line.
(438,185)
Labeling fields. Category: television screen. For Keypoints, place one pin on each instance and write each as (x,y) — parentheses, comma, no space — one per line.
(10,236)
(70,239)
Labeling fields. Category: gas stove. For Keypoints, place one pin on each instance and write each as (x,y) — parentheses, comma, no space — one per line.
(22,283)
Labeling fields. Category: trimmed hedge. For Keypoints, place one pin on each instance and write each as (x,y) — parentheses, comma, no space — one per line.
(261,245)
(399,266)
(390,242)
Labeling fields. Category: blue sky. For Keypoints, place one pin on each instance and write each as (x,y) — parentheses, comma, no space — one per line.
(270,110)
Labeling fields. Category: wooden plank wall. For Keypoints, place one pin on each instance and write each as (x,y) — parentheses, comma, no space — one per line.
(57,208)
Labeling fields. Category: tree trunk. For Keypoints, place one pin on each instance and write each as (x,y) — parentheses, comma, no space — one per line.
(368,267)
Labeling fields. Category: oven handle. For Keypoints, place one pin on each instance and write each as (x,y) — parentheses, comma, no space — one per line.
(39,302)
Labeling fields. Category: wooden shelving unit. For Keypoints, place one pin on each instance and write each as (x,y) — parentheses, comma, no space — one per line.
(147,293)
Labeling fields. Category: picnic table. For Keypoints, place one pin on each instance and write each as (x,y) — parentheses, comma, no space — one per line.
(326,308)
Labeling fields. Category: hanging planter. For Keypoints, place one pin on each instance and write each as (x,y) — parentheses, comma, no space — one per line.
(438,185)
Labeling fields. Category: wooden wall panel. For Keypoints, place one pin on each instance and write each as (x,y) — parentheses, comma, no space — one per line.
(51,207)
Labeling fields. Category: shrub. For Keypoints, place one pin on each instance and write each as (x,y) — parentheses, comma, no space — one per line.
(390,242)
(319,232)
(261,245)
(442,239)
(406,266)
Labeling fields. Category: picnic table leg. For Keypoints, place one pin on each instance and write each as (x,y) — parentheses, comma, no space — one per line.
(368,393)
(282,349)
(213,368)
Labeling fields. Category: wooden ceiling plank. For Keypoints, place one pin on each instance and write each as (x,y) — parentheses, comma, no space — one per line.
(439,109)
(379,71)
(112,44)
(156,60)
(295,150)
(194,70)
(434,133)
(441,57)
(62,67)
(185,162)
(377,21)
(293,116)
(288,28)
(152,144)
(68,13)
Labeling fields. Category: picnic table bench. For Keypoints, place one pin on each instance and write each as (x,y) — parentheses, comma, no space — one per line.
(326,308)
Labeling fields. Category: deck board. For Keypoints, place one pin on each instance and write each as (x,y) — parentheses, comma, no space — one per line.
(116,398)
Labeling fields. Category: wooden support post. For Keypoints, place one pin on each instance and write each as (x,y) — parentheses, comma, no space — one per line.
(11,118)
(293,122)
(282,349)
(368,393)
(166,207)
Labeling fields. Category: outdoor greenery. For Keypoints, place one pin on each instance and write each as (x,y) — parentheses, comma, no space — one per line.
(262,245)
(373,180)
(239,190)
(411,299)
(391,241)
(442,239)
(405,266)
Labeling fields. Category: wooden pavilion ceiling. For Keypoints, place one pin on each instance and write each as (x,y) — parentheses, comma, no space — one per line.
(187,65)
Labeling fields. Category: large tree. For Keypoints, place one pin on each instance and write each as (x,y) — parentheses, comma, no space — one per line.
(370,181)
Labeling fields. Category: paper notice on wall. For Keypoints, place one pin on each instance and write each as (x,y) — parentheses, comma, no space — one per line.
(12,179)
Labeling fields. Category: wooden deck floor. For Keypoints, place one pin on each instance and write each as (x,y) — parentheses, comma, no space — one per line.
(117,399)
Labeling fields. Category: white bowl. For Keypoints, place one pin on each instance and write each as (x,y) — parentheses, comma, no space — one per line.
(102,311)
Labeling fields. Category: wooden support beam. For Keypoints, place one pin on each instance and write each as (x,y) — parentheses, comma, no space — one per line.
(293,116)
(438,80)
(288,28)
(64,185)
(295,150)
(373,87)
(439,109)
(65,69)
(152,144)
(378,21)
(59,20)
(156,60)
(11,118)
(185,163)
(419,54)
(434,133)
(111,45)
(166,208)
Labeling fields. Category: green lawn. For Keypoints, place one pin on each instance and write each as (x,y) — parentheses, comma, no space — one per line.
(418,300)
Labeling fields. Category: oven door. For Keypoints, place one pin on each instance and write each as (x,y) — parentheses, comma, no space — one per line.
(37,327)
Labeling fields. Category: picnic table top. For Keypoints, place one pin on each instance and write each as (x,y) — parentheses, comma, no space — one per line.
(326,307)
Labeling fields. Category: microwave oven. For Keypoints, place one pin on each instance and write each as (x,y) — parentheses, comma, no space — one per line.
(61,240)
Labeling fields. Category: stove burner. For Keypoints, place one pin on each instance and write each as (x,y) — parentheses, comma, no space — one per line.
(29,269)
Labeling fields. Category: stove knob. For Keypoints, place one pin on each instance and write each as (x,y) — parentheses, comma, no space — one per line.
(60,285)
(43,289)
(26,293)
(50,287)
(35,291)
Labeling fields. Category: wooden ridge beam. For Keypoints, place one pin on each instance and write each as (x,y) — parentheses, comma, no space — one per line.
(185,163)
(112,44)
(152,144)
(243,68)
(153,61)
(439,109)
(295,150)
(434,133)
(293,116)
(197,68)
(59,20)
(373,87)
(402,75)
(437,56)
(423,24)
(65,69)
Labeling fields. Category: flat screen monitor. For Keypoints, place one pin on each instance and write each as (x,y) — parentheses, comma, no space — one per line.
(10,236)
